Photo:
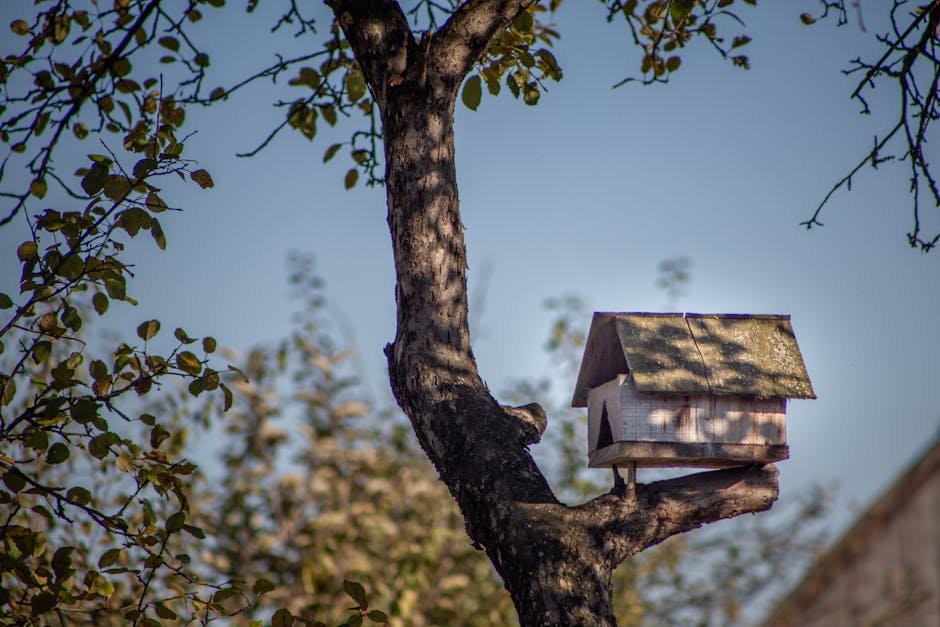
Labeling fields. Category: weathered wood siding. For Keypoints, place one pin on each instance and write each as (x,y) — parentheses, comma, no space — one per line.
(885,570)
(638,417)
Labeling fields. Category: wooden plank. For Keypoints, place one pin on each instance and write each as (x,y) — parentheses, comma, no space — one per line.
(603,357)
(686,454)
(750,355)
(700,418)
(661,353)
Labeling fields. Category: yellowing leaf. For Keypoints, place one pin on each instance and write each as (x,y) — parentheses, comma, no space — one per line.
(20,27)
(27,251)
(189,363)
(349,181)
(147,330)
(38,188)
(202,179)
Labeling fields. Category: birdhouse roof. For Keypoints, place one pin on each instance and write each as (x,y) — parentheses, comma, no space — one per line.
(675,353)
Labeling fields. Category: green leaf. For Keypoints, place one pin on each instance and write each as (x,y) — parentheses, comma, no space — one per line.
(109,557)
(20,27)
(680,9)
(157,435)
(62,562)
(282,618)
(202,179)
(38,188)
(807,18)
(134,219)
(170,43)
(189,363)
(673,63)
(144,167)
(98,447)
(262,586)
(14,481)
(195,532)
(117,187)
(357,592)
(225,593)
(377,616)
(41,352)
(72,268)
(156,231)
(175,522)
(331,152)
(5,301)
(181,336)
(79,494)
(355,86)
(94,180)
(57,453)
(524,22)
(7,391)
(531,94)
(165,612)
(100,302)
(227,396)
(27,251)
(148,330)
(349,181)
(472,92)
(84,409)
(42,603)
(208,344)
(155,203)
(197,387)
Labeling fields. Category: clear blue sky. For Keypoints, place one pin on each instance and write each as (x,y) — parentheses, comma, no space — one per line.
(586,194)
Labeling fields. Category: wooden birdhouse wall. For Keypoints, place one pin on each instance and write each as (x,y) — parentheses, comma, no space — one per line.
(643,417)
(695,390)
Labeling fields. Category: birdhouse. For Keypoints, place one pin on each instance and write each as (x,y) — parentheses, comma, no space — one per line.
(699,390)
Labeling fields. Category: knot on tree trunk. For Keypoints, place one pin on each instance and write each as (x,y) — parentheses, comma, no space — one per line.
(530,420)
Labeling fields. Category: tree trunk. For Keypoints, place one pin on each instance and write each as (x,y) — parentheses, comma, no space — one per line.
(556,561)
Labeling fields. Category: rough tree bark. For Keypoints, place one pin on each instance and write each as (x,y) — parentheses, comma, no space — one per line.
(556,560)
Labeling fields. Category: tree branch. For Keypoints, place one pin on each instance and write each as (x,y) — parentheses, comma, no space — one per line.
(627,524)
(380,37)
(463,39)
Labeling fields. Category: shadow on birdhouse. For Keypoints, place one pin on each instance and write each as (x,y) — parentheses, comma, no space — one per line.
(696,390)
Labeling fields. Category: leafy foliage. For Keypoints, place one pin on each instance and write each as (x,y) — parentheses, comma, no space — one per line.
(513,59)
(661,29)
(353,497)
(96,490)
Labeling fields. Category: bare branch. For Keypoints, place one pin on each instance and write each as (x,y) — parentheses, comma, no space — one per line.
(911,65)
